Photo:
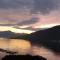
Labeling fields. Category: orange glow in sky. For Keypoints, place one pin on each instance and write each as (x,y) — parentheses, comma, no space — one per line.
(6,28)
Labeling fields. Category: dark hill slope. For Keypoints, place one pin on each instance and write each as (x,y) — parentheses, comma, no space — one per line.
(12,35)
(49,38)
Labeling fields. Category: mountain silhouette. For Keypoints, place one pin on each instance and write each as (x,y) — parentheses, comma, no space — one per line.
(23,57)
(6,34)
(12,35)
(48,38)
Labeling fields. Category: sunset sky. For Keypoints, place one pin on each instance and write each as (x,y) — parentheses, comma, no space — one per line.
(29,13)
(27,16)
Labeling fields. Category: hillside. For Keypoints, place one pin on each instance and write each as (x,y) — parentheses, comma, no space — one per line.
(11,35)
(49,38)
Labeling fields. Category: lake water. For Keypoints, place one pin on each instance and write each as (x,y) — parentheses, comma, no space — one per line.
(23,47)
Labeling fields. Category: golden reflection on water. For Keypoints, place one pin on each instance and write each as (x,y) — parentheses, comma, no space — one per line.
(21,46)
(3,43)
(24,47)
(16,45)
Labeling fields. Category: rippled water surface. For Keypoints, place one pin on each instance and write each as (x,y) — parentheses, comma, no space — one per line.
(23,47)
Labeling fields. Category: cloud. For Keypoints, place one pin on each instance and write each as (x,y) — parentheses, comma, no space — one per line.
(15,3)
(47,19)
(45,6)
(17,20)
(20,12)
(28,22)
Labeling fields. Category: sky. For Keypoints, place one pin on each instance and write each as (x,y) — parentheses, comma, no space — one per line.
(29,13)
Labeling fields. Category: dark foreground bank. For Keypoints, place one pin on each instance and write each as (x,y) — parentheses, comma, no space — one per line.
(23,57)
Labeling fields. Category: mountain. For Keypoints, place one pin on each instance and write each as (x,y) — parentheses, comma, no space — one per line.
(12,35)
(23,57)
(6,34)
(49,38)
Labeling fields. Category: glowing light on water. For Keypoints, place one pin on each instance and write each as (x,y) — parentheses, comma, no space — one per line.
(21,46)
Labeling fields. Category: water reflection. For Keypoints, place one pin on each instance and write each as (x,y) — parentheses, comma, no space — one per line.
(24,47)
(15,45)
